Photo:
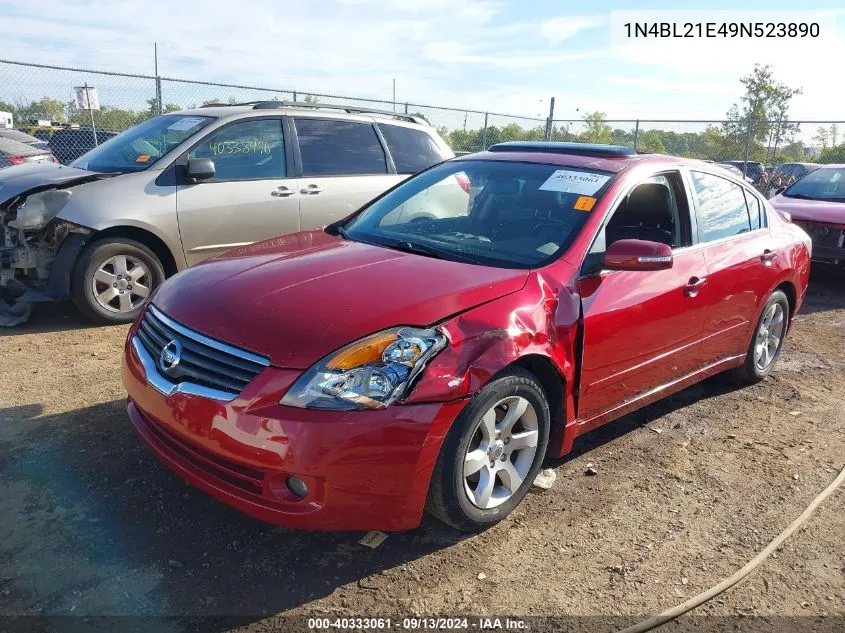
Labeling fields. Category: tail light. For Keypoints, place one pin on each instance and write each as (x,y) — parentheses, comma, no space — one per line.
(463,181)
(16,160)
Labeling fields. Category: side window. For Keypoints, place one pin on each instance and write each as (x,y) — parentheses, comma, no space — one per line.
(412,150)
(753,210)
(722,211)
(339,148)
(248,150)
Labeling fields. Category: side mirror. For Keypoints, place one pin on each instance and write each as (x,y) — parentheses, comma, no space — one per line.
(779,190)
(201,169)
(638,255)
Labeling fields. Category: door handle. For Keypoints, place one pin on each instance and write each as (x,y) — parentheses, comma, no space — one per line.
(694,285)
(310,190)
(282,192)
(767,256)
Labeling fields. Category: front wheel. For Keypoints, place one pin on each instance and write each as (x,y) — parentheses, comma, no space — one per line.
(767,340)
(492,453)
(113,278)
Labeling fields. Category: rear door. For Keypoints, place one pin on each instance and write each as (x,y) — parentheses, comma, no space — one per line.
(642,329)
(342,164)
(739,254)
(250,197)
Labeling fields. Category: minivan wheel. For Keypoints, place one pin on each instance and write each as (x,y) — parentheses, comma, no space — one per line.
(492,453)
(113,278)
(766,341)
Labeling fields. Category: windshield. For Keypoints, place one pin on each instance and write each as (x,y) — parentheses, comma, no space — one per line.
(140,147)
(505,214)
(821,184)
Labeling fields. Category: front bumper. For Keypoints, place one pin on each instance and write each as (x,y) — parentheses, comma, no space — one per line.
(364,469)
(828,241)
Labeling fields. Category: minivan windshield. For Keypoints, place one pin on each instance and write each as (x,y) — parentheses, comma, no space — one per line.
(493,213)
(140,147)
(827,183)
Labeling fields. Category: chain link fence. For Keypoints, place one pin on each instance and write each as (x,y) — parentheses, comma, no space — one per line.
(39,99)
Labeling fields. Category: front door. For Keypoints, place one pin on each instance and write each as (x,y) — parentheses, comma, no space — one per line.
(250,197)
(343,166)
(642,329)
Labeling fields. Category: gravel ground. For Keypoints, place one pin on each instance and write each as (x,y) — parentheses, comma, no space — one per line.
(686,492)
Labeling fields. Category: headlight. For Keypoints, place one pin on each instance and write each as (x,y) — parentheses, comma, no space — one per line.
(371,373)
(39,208)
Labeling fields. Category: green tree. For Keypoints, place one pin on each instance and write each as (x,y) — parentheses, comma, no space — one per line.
(833,154)
(821,137)
(765,103)
(45,108)
(834,134)
(598,131)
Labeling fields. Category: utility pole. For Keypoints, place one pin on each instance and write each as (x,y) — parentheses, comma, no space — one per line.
(550,120)
(158,79)
(394,94)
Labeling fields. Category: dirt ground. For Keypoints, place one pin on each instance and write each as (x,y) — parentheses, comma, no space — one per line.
(687,491)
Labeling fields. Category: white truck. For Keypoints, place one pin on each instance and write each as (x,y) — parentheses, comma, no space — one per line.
(6,120)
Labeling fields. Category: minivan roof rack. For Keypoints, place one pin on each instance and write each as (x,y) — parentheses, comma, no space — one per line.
(272,105)
(556,147)
(267,105)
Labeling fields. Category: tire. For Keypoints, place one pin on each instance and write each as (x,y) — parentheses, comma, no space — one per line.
(750,372)
(114,262)
(449,492)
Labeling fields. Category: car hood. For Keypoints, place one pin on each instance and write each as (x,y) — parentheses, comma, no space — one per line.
(811,210)
(299,297)
(20,179)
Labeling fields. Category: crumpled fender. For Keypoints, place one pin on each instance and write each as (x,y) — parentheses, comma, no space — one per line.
(542,320)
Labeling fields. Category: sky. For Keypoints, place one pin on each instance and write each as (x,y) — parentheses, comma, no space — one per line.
(493,55)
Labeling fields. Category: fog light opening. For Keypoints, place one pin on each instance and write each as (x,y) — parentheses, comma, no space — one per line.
(297,487)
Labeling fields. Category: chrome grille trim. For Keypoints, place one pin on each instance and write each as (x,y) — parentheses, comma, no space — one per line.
(207,367)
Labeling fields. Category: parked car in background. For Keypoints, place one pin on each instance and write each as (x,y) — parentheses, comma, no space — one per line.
(68,144)
(14,152)
(787,173)
(349,378)
(816,203)
(183,187)
(736,171)
(26,139)
(753,169)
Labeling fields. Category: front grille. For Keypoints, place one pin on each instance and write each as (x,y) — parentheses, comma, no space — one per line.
(824,236)
(204,361)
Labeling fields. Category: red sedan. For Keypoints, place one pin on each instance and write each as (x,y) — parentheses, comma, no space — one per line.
(429,351)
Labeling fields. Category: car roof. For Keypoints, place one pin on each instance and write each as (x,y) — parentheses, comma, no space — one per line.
(20,137)
(8,147)
(571,155)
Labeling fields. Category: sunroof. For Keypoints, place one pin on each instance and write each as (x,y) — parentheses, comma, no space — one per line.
(587,149)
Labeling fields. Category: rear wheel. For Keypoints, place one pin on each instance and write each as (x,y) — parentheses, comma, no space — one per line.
(491,454)
(113,279)
(767,340)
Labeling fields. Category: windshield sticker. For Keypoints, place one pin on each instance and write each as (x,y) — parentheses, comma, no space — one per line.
(185,123)
(585,203)
(143,158)
(568,181)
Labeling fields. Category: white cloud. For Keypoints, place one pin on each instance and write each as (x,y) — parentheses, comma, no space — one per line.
(562,28)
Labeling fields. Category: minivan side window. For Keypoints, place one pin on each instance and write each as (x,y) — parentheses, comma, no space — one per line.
(721,211)
(247,150)
(412,150)
(339,148)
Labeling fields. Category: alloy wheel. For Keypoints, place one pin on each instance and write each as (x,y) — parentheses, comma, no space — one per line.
(769,336)
(121,283)
(501,452)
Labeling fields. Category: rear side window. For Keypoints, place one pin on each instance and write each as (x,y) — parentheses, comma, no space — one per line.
(412,150)
(753,210)
(722,211)
(339,148)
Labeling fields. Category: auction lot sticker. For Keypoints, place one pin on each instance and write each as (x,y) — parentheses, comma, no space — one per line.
(569,181)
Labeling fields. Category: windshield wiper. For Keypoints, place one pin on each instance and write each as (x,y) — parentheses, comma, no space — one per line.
(432,251)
